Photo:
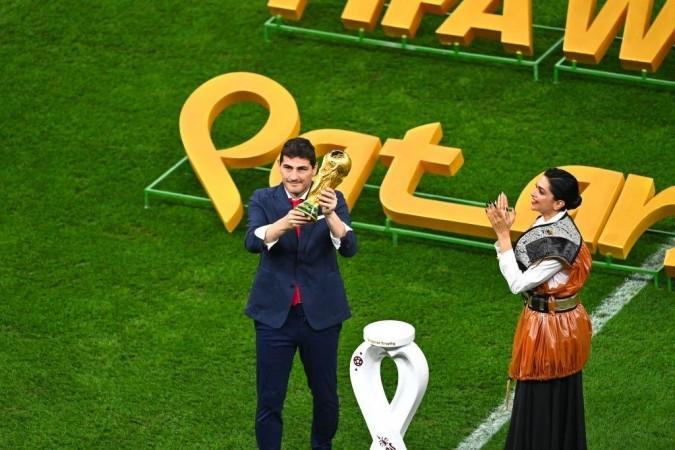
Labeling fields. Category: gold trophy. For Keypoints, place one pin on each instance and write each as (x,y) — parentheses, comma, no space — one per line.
(334,168)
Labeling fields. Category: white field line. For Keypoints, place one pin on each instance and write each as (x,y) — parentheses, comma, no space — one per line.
(609,307)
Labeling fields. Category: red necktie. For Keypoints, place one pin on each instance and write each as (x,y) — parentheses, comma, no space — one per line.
(296,293)
(295,202)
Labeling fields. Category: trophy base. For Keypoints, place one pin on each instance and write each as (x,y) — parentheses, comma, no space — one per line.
(309,209)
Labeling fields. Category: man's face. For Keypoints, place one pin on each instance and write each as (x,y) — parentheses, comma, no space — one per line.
(296,174)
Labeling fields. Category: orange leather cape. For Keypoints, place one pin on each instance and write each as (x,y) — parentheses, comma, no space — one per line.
(554,345)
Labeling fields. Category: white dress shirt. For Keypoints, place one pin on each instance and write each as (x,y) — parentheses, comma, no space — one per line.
(550,270)
(261,231)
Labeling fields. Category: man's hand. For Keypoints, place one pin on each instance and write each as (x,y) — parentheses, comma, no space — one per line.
(295,219)
(328,201)
(290,221)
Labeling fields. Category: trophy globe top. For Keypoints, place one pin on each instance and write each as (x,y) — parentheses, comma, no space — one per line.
(339,161)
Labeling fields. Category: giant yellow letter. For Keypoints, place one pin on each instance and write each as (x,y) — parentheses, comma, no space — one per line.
(669,263)
(362,14)
(288,9)
(642,47)
(636,210)
(403,17)
(408,160)
(200,111)
(475,18)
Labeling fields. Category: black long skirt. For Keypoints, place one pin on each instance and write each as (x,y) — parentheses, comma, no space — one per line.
(548,415)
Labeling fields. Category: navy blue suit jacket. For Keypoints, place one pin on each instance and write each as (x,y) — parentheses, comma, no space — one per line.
(310,261)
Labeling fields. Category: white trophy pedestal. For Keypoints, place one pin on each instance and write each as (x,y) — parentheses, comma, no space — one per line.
(388,422)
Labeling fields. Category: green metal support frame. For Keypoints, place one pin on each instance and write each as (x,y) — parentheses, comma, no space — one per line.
(152,191)
(574,68)
(584,71)
(275,25)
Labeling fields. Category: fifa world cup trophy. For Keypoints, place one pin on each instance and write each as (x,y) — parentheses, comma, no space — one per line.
(334,168)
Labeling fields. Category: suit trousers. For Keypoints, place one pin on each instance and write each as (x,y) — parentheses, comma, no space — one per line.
(275,350)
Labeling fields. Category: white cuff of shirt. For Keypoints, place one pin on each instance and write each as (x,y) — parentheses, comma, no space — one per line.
(501,254)
(507,254)
(261,232)
(337,241)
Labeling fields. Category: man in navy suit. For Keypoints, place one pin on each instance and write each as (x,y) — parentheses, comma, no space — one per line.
(298,298)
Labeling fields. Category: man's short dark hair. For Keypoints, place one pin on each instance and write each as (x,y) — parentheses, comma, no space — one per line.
(298,148)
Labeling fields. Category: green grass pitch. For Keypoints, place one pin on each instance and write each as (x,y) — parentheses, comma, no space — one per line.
(122,327)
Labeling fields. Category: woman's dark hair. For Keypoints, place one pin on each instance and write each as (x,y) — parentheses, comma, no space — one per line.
(564,187)
(299,148)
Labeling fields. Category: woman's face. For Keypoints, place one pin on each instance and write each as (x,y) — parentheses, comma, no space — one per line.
(543,200)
